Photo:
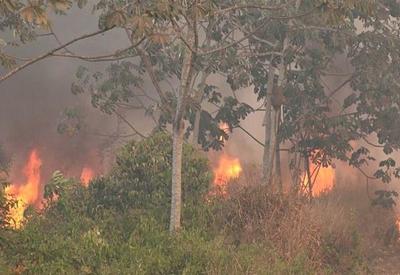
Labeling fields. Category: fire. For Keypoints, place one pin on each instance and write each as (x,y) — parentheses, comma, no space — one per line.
(228,168)
(86,176)
(29,192)
(224,127)
(324,182)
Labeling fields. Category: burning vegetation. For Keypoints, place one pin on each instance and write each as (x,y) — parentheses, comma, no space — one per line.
(86,176)
(226,169)
(306,84)
(322,180)
(28,192)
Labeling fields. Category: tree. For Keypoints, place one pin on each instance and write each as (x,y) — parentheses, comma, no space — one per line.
(177,45)
(173,41)
(321,123)
(288,66)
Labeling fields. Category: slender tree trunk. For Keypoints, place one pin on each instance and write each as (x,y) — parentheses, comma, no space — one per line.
(267,157)
(295,158)
(196,128)
(308,175)
(278,171)
(272,129)
(178,135)
(198,96)
(271,118)
(176,202)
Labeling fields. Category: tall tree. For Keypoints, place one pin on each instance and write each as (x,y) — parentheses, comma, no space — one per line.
(173,41)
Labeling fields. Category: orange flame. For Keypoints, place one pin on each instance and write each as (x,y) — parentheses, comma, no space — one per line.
(29,192)
(86,176)
(324,182)
(228,168)
(224,127)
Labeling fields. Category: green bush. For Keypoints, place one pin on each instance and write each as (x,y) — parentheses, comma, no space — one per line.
(141,178)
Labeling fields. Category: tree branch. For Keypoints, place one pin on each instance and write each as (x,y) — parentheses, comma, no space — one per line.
(129,124)
(49,53)
(101,58)
(247,7)
(250,135)
(341,86)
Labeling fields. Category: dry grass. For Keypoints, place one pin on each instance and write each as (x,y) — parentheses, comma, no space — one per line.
(338,230)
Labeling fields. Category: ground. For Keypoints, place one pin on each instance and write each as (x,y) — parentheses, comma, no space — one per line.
(386,261)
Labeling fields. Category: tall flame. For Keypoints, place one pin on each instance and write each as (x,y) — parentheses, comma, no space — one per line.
(86,176)
(27,193)
(227,168)
(324,182)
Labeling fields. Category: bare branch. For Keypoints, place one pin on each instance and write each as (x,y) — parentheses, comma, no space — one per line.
(117,55)
(129,124)
(246,7)
(233,43)
(49,53)
(250,135)
(152,75)
(372,144)
(341,86)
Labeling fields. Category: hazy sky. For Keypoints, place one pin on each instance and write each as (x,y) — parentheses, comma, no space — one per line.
(31,102)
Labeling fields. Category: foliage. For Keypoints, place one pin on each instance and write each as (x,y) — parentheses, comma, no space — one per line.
(117,225)
(67,238)
(6,203)
(122,216)
(114,226)
(141,177)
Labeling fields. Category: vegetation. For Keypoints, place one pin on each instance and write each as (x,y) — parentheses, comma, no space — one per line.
(282,51)
(118,225)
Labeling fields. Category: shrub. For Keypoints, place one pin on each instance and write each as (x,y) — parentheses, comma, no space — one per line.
(141,178)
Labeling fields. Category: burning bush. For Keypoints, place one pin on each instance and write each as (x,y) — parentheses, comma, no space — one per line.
(6,204)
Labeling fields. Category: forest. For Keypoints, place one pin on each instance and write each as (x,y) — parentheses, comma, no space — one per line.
(199,136)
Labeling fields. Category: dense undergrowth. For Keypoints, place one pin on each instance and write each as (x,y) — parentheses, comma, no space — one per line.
(119,225)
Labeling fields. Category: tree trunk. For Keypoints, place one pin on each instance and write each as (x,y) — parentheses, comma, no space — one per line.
(272,133)
(198,97)
(271,117)
(176,200)
(278,171)
(267,157)
(196,128)
(308,175)
(295,167)
(178,134)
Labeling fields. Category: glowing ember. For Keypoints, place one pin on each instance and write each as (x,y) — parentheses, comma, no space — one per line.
(86,176)
(29,192)
(228,168)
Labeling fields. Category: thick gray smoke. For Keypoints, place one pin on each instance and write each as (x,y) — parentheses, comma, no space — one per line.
(32,102)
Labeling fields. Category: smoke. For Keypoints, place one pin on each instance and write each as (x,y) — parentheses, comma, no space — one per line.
(32,102)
